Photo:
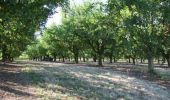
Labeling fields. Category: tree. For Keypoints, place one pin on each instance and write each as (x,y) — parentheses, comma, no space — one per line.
(144,17)
(18,22)
(92,27)
(165,29)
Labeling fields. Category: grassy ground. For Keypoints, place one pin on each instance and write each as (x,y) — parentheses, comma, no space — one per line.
(57,81)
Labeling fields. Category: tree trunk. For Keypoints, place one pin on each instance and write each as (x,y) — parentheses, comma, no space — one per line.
(133,61)
(87,59)
(54,58)
(114,59)
(167,56)
(63,59)
(141,60)
(94,58)
(111,54)
(163,60)
(76,54)
(80,58)
(84,59)
(100,60)
(158,60)
(150,62)
(76,58)
(4,54)
(129,60)
(111,58)
(11,59)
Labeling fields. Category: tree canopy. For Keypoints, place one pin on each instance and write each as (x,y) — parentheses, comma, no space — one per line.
(19,19)
(115,29)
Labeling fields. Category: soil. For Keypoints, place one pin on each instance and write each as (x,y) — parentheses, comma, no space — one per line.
(16,85)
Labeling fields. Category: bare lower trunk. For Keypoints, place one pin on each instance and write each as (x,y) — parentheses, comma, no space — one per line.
(115,60)
(94,58)
(133,61)
(150,62)
(4,53)
(80,58)
(141,60)
(100,60)
(84,59)
(76,54)
(87,59)
(168,59)
(158,60)
(111,58)
(76,58)
(54,58)
(129,60)
(63,59)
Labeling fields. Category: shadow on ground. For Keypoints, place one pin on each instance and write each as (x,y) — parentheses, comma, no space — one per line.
(14,82)
(64,81)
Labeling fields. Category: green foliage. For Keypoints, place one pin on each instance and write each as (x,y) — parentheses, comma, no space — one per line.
(19,19)
(116,29)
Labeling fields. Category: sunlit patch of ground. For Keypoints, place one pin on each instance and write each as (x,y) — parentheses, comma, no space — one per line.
(52,81)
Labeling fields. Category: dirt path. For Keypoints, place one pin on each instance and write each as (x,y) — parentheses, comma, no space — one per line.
(44,80)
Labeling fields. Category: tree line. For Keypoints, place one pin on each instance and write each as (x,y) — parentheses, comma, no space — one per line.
(116,29)
(136,29)
(19,19)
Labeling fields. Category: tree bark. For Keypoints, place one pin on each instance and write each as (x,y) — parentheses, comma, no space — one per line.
(141,60)
(133,61)
(100,60)
(76,58)
(111,58)
(158,60)
(76,54)
(115,60)
(4,54)
(87,59)
(84,59)
(167,56)
(54,58)
(94,58)
(129,60)
(63,59)
(150,62)
(80,58)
